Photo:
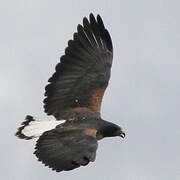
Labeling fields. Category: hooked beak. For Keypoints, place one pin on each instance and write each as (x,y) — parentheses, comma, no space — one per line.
(122,134)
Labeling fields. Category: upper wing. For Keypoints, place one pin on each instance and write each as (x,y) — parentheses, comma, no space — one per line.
(83,73)
(66,150)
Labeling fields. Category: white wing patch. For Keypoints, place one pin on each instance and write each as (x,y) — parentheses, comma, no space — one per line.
(35,127)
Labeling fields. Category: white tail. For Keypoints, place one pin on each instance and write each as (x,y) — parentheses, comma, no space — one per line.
(34,127)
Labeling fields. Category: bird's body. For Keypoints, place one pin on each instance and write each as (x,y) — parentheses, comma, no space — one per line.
(73,96)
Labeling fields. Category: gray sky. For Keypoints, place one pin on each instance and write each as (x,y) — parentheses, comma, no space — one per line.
(143,95)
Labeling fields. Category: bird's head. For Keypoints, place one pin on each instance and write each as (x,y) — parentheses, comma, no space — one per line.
(116,131)
(112,130)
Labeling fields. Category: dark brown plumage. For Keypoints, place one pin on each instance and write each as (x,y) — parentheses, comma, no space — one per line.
(74,96)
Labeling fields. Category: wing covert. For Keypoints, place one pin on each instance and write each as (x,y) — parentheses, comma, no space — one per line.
(83,73)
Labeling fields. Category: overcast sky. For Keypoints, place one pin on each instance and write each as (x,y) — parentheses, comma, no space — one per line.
(143,96)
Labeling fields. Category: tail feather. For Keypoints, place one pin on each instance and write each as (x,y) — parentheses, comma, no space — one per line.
(34,127)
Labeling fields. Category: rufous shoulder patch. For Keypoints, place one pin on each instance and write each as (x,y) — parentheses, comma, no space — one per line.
(96,99)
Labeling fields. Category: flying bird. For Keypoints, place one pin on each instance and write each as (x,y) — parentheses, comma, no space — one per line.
(73,96)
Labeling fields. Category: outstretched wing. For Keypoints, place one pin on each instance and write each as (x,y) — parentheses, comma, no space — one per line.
(83,73)
(66,150)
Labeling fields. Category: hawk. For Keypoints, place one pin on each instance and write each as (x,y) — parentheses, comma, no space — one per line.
(73,96)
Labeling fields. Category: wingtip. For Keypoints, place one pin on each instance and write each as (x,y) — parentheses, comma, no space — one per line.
(100,21)
(91,16)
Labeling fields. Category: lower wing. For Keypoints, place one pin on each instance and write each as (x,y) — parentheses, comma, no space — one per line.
(66,150)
